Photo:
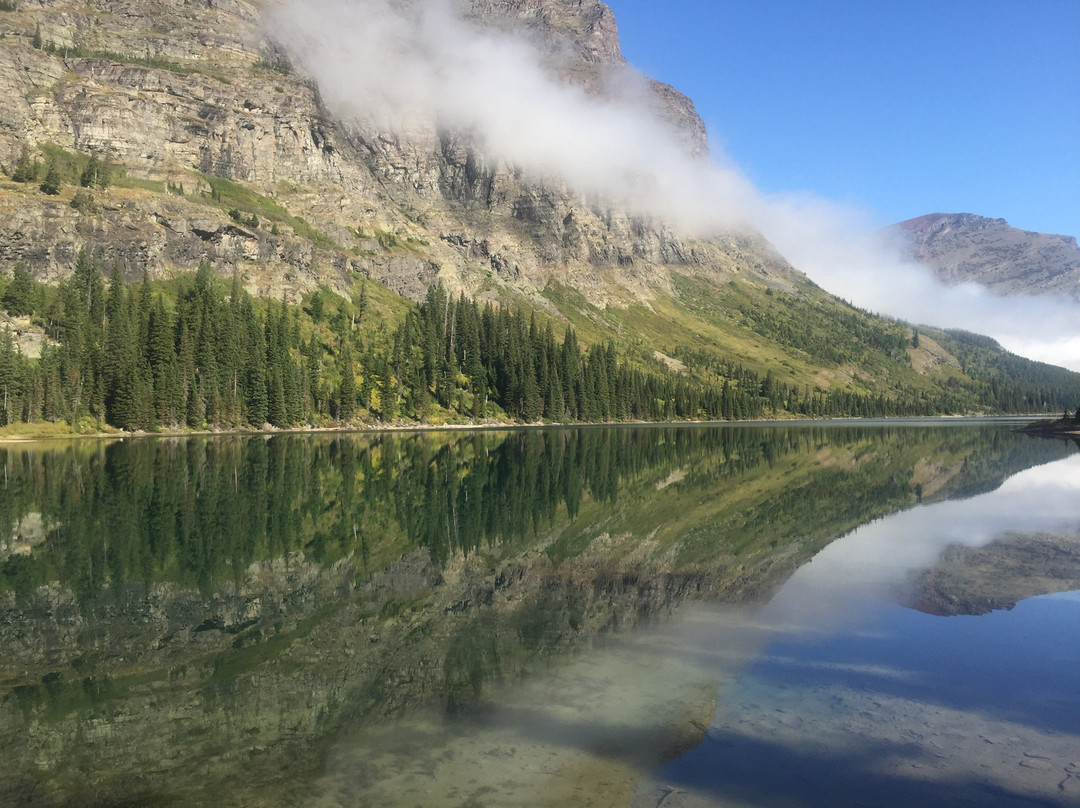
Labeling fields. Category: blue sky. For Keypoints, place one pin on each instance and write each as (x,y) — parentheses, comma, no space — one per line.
(899,108)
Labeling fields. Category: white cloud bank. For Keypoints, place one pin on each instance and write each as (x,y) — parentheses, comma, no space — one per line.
(420,61)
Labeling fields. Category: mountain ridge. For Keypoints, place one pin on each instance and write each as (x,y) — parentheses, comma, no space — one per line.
(963,247)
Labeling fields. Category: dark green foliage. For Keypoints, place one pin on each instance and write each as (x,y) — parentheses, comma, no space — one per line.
(97,173)
(346,393)
(315,306)
(12,376)
(1009,382)
(52,182)
(196,356)
(83,201)
(196,512)
(25,170)
(18,298)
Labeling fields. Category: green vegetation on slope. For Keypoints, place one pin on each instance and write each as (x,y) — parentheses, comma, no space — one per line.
(188,353)
(811,354)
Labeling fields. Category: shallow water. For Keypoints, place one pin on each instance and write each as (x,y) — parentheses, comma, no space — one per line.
(909,710)
(851,699)
(761,615)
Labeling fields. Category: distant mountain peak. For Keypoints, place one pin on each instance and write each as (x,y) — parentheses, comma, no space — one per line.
(964,247)
(950,220)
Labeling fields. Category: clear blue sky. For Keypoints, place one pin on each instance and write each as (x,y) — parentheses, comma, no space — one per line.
(901,107)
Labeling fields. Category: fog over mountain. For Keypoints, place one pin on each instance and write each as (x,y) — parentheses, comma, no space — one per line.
(429,65)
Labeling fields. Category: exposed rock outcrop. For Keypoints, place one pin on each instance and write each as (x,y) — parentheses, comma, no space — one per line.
(181,95)
(963,247)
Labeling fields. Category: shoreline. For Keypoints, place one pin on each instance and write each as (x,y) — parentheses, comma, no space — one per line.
(1058,428)
(1050,429)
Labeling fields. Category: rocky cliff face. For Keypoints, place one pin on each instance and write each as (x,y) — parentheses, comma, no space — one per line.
(182,96)
(963,247)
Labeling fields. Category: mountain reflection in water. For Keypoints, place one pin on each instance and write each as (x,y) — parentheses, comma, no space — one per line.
(492,618)
(848,699)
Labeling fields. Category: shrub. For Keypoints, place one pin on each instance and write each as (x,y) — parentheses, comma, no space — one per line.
(83,201)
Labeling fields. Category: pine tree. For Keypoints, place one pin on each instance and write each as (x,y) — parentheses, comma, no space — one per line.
(367,382)
(275,395)
(230,356)
(26,170)
(346,393)
(51,184)
(119,362)
(194,410)
(10,388)
(255,383)
(163,367)
(293,378)
(19,295)
(361,301)
(312,372)
(97,173)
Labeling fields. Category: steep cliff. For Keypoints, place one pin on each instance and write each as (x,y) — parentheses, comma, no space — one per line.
(221,145)
(201,114)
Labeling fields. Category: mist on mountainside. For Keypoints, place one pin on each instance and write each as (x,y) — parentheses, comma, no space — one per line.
(424,67)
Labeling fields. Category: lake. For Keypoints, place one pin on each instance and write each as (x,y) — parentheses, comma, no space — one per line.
(814,614)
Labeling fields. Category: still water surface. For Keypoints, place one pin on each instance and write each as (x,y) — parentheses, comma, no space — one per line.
(811,615)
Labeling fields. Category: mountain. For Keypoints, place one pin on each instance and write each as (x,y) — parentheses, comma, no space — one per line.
(194,98)
(978,580)
(963,247)
(156,137)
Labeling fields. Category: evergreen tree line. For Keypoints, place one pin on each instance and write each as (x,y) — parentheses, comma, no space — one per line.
(124,355)
(137,358)
(1008,382)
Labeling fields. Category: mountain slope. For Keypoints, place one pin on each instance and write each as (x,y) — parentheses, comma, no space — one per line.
(220,148)
(963,247)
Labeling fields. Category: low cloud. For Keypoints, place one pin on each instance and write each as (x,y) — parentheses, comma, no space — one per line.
(416,63)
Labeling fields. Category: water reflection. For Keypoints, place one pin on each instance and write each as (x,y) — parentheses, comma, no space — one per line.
(841,696)
(878,559)
(434,619)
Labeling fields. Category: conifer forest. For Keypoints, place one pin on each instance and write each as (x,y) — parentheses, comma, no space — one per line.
(197,353)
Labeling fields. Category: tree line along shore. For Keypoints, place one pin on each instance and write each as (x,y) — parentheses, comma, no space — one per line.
(201,353)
